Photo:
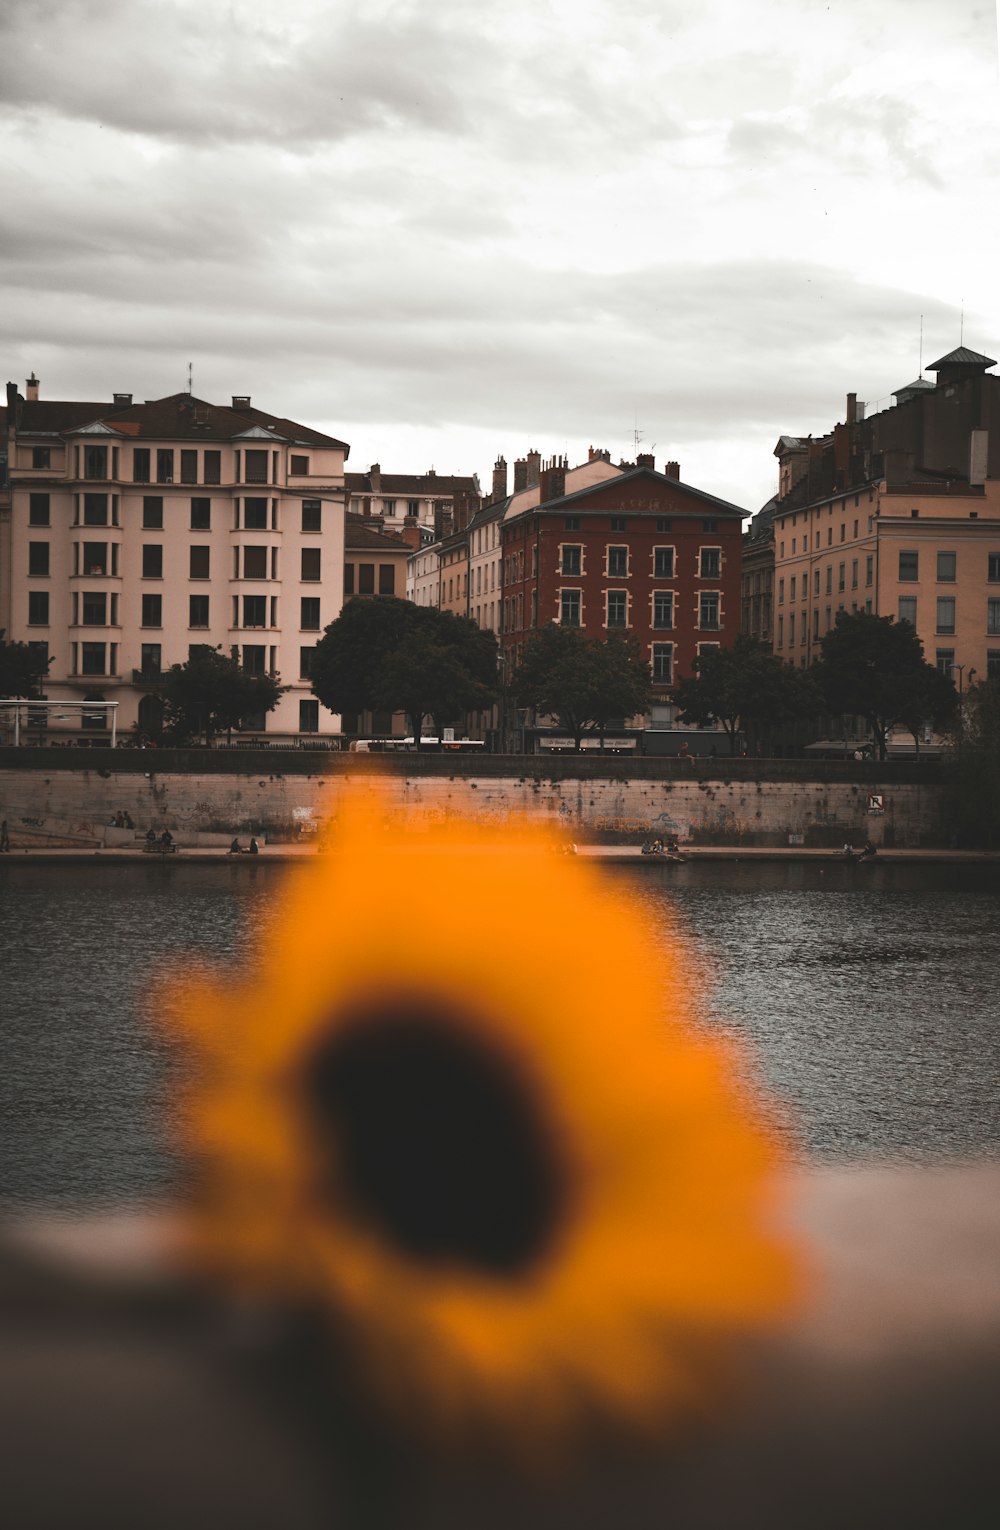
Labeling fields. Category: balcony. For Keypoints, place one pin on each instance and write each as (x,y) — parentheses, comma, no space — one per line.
(147,677)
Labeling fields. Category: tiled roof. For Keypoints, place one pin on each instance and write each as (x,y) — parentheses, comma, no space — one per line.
(722,506)
(419,485)
(360,535)
(181,416)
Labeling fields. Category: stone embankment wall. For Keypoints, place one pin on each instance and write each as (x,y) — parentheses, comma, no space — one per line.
(60,797)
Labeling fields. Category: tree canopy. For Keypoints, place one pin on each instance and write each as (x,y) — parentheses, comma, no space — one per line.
(23,669)
(973,766)
(583,681)
(745,688)
(388,653)
(211,694)
(875,667)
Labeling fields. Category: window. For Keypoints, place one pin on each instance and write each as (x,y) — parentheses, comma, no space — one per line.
(617,562)
(312,515)
(309,613)
(781,631)
(152,561)
(992,663)
(40,651)
(164,464)
(909,567)
(152,610)
(299,465)
(993,617)
(95,558)
(38,558)
(663,663)
(791,628)
(151,659)
(38,608)
(617,608)
(366,577)
(663,608)
(308,716)
(944,658)
(854,573)
(816,581)
(791,587)
(710,562)
(869,568)
(569,608)
(663,524)
(708,611)
(389,506)
(307,657)
(618,523)
(255,610)
(387,579)
(140,464)
(841,576)
(197,610)
(189,467)
(255,514)
(946,614)
(201,514)
(993,567)
(256,466)
(152,512)
(781,592)
(829,578)
(93,658)
(713,526)
(198,565)
(255,658)
(212,467)
(663,562)
(255,562)
(571,562)
(571,523)
(413,507)
(38,510)
(348,578)
(311,566)
(946,567)
(908,609)
(95,465)
(41,457)
(95,509)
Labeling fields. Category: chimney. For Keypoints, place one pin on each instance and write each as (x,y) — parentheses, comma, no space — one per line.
(646,460)
(241,401)
(375,478)
(598,454)
(122,400)
(520,475)
(534,467)
(499,480)
(465,504)
(852,408)
(411,531)
(898,465)
(979,442)
(31,389)
(672,470)
(552,481)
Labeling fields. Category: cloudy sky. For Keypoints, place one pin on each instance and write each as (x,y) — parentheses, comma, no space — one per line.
(448,229)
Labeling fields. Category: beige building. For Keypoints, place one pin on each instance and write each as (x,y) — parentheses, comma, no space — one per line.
(436,502)
(136,532)
(924,553)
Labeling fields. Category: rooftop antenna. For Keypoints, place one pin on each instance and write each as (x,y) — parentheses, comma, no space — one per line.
(961,324)
(190,374)
(921,345)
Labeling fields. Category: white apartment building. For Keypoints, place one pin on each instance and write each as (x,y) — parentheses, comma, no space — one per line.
(133,532)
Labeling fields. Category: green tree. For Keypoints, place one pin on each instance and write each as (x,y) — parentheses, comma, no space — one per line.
(745,688)
(583,681)
(22,670)
(973,767)
(875,667)
(391,654)
(212,694)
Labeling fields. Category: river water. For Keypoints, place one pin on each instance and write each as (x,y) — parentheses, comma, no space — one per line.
(867,998)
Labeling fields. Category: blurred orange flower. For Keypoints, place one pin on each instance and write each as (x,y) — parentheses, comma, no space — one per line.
(462,1107)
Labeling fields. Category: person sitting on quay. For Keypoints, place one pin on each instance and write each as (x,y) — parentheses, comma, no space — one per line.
(254,847)
(869,852)
(150,839)
(166,842)
(236,848)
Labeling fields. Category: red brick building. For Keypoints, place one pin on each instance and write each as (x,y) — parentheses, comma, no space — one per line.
(640,554)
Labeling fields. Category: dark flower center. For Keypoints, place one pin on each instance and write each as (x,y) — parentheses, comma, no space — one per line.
(436,1139)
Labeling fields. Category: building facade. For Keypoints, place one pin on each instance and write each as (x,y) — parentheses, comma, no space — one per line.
(139,531)
(636,553)
(436,502)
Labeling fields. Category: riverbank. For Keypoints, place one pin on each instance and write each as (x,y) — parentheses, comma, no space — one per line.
(617,855)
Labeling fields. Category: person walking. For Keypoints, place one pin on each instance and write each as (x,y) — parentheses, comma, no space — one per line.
(4,838)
